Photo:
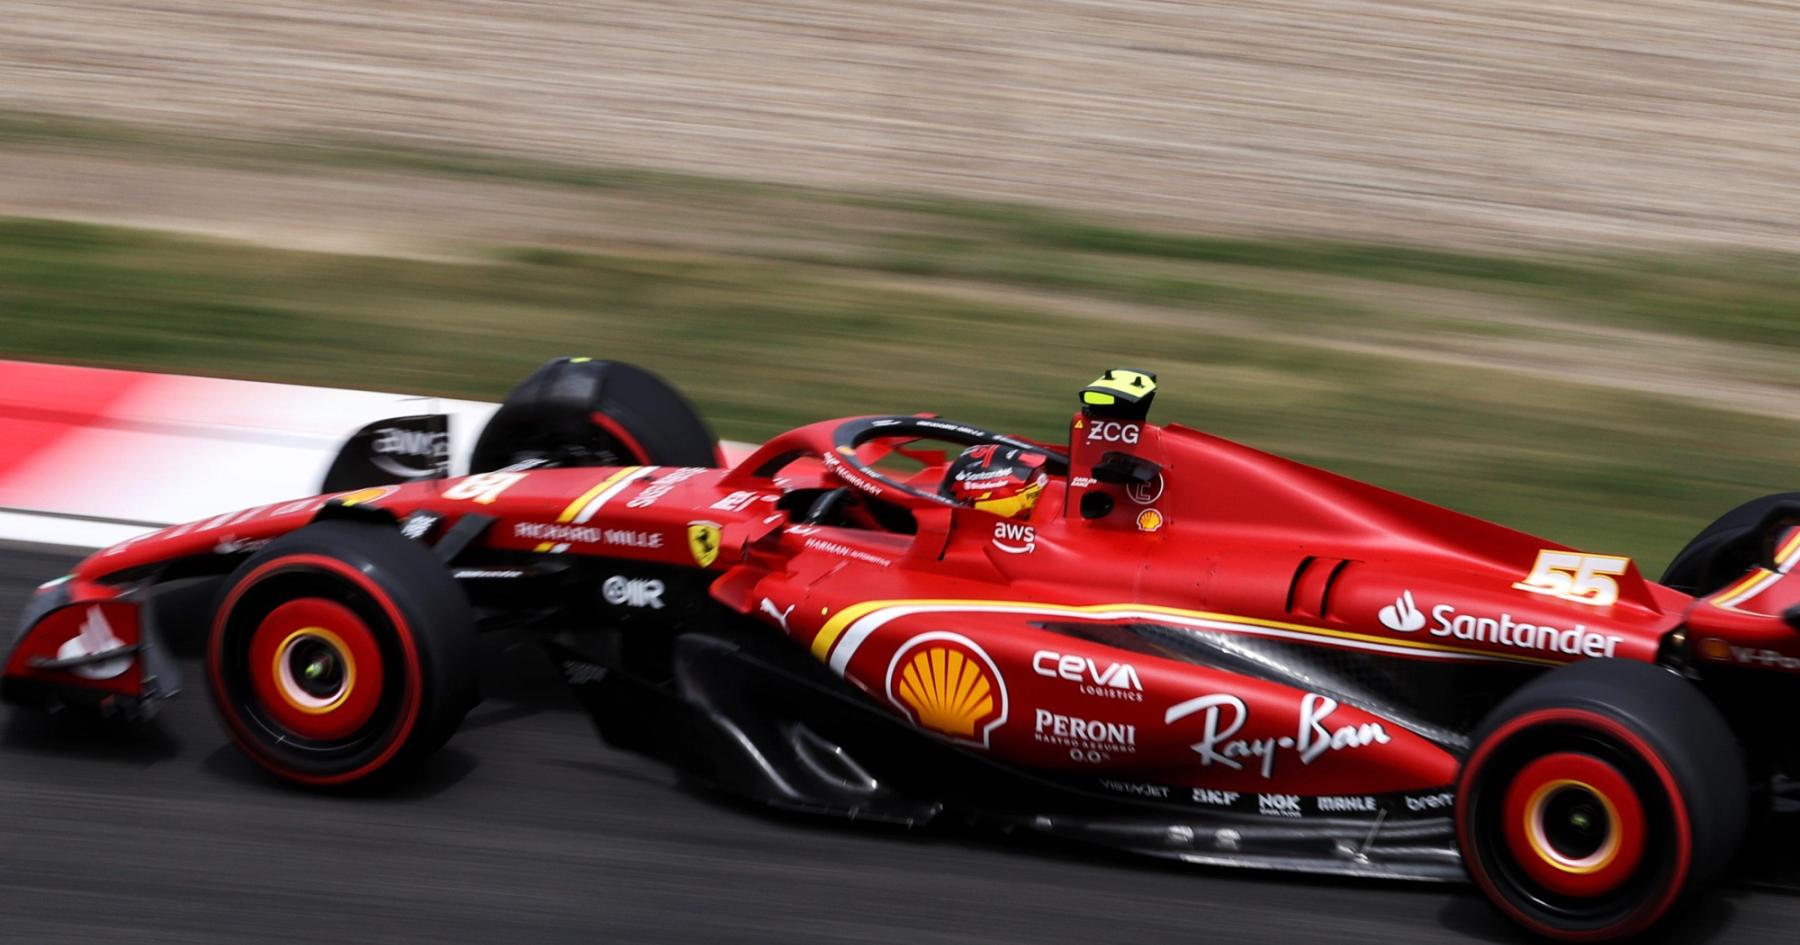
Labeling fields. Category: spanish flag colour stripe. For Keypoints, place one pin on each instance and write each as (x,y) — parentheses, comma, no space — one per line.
(575,507)
(837,641)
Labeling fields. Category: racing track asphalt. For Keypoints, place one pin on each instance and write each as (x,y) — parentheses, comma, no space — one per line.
(528,830)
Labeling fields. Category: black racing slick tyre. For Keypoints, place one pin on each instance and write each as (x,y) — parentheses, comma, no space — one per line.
(1727,548)
(1597,798)
(583,412)
(342,654)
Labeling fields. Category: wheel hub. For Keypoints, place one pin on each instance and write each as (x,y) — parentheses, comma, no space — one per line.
(1575,825)
(315,670)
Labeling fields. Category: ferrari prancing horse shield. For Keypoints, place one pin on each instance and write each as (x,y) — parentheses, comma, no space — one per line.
(703,541)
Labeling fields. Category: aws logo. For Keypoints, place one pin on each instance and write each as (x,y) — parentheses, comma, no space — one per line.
(1015,539)
(947,684)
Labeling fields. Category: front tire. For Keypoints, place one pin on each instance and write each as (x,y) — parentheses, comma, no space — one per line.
(341,654)
(1598,797)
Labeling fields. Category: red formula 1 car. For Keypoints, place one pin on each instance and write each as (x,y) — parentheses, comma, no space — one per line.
(1148,638)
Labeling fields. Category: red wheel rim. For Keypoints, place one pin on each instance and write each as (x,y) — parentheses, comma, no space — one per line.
(1556,789)
(336,636)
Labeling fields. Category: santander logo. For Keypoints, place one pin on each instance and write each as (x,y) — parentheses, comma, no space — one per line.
(1402,616)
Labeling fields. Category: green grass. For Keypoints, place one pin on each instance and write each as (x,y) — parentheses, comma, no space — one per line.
(1730,296)
(764,342)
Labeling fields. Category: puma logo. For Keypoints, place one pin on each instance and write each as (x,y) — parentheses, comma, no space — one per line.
(781,616)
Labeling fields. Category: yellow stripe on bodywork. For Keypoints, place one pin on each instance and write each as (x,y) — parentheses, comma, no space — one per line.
(1759,579)
(1743,584)
(835,627)
(1790,552)
(575,507)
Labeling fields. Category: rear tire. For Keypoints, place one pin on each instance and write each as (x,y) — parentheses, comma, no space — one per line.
(342,654)
(1597,798)
(582,412)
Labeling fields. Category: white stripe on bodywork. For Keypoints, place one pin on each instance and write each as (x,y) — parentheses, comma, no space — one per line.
(594,504)
(1768,580)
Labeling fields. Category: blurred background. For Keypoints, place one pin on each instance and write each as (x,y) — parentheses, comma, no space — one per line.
(1528,258)
(1531,259)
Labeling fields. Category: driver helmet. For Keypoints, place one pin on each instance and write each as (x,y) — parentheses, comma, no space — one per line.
(1004,480)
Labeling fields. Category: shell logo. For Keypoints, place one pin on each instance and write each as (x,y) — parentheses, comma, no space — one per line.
(365,496)
(947,684)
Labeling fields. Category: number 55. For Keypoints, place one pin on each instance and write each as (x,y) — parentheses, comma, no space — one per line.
(1584,579)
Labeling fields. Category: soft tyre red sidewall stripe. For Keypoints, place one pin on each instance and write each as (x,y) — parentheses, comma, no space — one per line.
(618,432)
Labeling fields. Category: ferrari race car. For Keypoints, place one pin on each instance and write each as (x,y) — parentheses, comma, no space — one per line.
(1147,638)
